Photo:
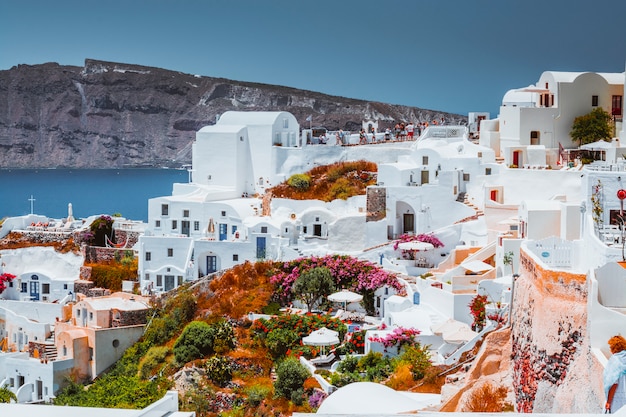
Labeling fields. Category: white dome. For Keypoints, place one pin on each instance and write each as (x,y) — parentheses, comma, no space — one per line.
(367,398)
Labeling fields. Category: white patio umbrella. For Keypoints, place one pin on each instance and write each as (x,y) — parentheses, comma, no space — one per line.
(322,337)
(346,297)
(460,336)
(448,326)
(477,266)
(211,227)
(416,245)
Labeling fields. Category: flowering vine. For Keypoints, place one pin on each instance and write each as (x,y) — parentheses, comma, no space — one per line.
(422,237)
(478,307)
(400,336)
(4,278)
(353,274)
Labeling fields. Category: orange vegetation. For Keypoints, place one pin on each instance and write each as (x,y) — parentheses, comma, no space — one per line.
(239,290)
(340,180)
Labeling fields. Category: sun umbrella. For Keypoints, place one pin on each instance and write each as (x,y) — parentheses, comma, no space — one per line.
(211,228)
(460,336)
(346,297)
(322,337)
(416,245)
(477,266)
(448,326)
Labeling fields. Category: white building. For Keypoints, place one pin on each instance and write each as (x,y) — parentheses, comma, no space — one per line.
(542,114)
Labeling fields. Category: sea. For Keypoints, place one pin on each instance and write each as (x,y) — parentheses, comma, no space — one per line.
(48,192)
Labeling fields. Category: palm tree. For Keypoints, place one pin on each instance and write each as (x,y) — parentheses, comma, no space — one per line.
(6,395)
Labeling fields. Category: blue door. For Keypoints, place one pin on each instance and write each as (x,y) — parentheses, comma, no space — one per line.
(260,248)
(34,290)
(223,231)
(211,264)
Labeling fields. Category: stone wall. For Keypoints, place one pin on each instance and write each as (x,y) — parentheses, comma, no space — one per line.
(376,204)
(554,370)
(128,318)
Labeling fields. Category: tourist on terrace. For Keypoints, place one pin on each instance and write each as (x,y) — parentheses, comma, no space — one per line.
(614,376)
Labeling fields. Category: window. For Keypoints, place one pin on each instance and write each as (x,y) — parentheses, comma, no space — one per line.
(235,257)
(223,213)
(285,123)
(263,229)
(147,277)
(115,343)
(179,280)
(157,224)
(174,224)
(196,225)
(90,353)
(65,286)
(159,281)
(534,137)
(233,229)
(10,284)
(594,101)
(170,252)
(91,315)
(487,171)
(616,105)
(466,177)
(185,213)
(424,160)
(78,312)
(45,288)
(148,256)
(24,287)
(164,210)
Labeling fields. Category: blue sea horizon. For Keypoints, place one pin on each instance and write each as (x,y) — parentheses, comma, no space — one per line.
(91,191)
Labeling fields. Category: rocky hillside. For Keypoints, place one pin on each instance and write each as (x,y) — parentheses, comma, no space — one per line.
(121,115)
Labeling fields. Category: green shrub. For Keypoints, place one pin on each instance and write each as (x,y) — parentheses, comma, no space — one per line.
(219,370)
(223,336)
(160,330)
(342,189)
(300,182)
(273,308)
(290,377)
(195,342)
(348,365)
(256,394)
(418,358)
(153,360)
(279,341)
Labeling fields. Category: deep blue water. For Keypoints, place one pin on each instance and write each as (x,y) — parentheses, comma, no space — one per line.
(91,191)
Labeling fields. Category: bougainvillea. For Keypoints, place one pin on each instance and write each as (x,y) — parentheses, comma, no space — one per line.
(301,326)
(478,307)
(422,237)
(400,336)
(4,278)
(349,273)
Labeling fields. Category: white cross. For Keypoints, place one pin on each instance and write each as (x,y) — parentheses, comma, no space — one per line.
(32,201)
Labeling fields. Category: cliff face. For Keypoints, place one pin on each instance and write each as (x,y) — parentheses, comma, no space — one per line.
(119,115)
(553,368)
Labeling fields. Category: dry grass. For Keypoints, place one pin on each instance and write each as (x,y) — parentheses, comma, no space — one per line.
(486,398)
(341,180)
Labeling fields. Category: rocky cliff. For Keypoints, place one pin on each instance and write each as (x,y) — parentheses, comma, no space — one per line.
(121,115)
(554,370)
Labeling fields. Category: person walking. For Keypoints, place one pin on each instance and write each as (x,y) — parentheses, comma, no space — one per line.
(614,376)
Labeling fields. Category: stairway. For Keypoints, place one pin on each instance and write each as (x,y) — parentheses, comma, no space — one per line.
(468,203)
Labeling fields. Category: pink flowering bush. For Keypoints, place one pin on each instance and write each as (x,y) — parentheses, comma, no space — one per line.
(422,237)
(400,337)
(349,273)
(4,278)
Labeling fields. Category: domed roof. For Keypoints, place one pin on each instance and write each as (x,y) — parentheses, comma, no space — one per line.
(367,398)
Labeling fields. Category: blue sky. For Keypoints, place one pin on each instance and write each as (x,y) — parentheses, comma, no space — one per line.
(450,55)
